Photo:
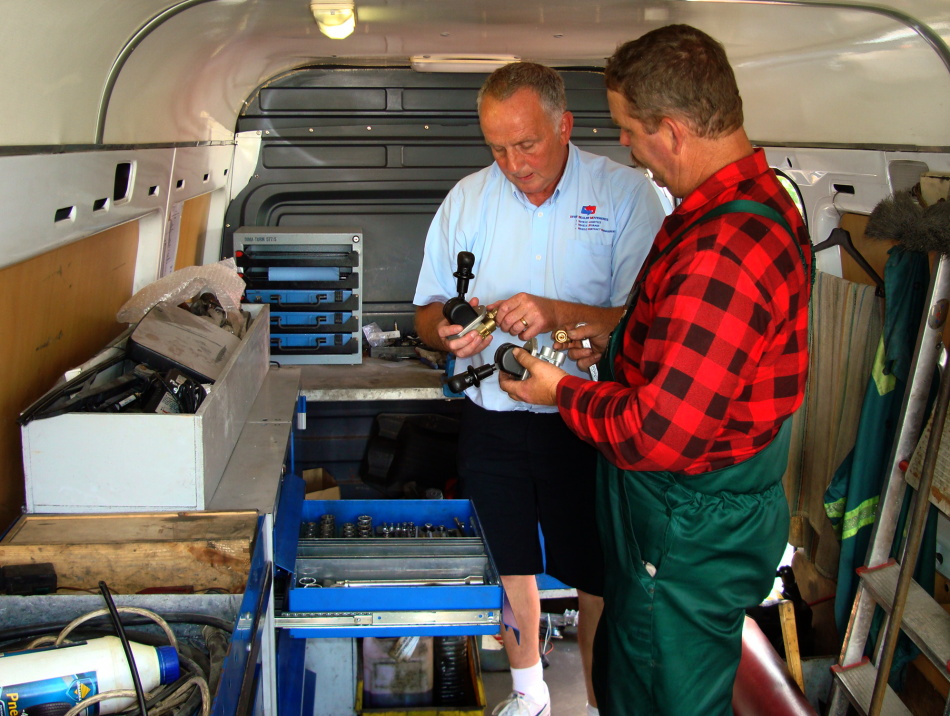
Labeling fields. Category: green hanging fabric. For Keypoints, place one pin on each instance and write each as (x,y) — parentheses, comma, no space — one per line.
(851,500)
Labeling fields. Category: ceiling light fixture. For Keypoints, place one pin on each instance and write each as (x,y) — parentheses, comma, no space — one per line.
(336,20)
(460,63)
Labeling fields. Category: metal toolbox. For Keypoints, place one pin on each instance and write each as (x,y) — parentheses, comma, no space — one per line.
(130,462)
(405,579)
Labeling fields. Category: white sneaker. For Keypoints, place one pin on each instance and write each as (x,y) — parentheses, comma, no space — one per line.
(520,705)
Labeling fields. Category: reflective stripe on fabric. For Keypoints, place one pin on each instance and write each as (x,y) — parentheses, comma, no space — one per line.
(859,517)
(883,381)
(835,510)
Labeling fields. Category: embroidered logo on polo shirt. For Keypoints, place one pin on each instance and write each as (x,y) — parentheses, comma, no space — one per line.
(588,220)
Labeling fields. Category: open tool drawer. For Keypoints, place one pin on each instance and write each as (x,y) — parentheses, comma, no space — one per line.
(399,581)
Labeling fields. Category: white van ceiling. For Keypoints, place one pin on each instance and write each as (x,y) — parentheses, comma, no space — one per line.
(138,72)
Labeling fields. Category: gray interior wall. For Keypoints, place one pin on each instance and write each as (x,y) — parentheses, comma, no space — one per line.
(379,149)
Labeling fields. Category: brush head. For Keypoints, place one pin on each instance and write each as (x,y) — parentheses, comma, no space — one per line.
(900,218)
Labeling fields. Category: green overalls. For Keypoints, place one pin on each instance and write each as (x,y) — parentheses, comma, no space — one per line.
(670,643)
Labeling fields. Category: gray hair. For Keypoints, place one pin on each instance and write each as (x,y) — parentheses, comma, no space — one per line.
(545,82)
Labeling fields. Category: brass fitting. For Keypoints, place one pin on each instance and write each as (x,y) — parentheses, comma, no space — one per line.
(560,336)
(488,324)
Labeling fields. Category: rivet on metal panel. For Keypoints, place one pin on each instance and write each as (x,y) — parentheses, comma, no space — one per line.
(310,129)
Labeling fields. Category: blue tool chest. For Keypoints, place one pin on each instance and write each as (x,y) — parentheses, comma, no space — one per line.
(313,281)
(391,568)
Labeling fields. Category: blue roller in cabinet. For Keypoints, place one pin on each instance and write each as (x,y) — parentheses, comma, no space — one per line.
(304,322)
(300,300)
(326,342)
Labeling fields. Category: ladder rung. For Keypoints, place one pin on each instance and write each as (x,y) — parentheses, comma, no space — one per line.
(858,683)
(924,620)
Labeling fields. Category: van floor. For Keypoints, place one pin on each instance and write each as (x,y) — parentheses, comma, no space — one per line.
(562,675)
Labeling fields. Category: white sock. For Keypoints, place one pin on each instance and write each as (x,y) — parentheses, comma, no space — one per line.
(592,710)
(530,682)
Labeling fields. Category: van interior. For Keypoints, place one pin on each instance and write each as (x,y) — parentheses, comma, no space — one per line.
(141,138)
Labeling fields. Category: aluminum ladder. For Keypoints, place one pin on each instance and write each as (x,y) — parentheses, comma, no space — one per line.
(884,581)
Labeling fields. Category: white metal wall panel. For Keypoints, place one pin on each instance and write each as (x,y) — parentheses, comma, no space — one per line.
(34,187)
(809,74)
(54,60)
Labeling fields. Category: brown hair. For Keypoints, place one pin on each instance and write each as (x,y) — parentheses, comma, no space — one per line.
(544,81)
(681,72)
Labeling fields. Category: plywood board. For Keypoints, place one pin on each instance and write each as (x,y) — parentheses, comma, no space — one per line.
(940,487)
(192,230)
(873,250)
(59,309)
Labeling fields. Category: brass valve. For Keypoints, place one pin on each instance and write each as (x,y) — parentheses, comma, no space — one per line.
(488,323)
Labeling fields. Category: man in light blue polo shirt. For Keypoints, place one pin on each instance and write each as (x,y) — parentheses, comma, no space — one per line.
(555,231)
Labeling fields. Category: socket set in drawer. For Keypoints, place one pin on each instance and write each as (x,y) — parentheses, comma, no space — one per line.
(365,526)
(421,565)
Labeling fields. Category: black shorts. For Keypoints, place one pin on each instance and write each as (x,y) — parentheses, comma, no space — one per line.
(520,469)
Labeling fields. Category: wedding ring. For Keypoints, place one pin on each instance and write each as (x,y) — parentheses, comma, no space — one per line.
(524,322)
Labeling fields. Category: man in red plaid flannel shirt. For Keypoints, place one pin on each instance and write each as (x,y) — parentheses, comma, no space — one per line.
(697,383)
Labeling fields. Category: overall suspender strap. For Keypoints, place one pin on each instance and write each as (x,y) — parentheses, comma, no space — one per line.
(736,206)
(748,206)
(741,206)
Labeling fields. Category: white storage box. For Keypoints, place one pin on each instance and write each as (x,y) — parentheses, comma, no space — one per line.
(122,462)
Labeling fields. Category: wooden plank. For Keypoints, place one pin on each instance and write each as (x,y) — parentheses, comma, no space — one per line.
(59,309)
(101,529)
(793,657)
(131,567)
(132,552)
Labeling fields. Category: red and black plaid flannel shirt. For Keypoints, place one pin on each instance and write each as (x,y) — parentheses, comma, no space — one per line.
(715,353)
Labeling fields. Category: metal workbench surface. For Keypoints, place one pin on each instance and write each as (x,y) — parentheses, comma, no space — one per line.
(374,379)
(251,480)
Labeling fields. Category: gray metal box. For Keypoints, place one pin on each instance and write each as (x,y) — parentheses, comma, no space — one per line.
(313,281)
(124,462)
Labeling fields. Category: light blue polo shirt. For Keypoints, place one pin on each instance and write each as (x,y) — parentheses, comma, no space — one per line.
(585,244)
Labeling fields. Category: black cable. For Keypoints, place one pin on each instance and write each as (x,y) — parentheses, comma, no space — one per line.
(125,644)
(190,669)
(34,630)
(190,395)
(186,392)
